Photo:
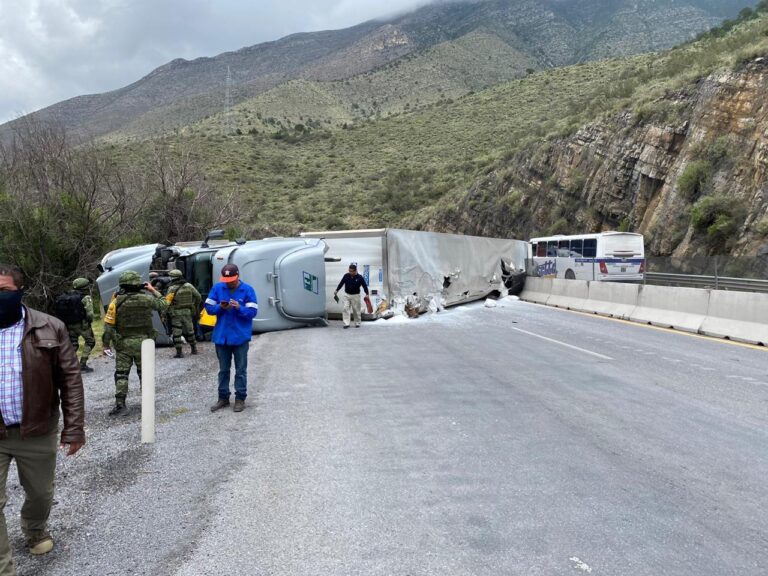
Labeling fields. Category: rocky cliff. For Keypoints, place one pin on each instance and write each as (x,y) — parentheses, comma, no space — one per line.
(692,175)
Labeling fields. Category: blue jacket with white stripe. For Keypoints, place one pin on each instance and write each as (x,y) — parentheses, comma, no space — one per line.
(233,326)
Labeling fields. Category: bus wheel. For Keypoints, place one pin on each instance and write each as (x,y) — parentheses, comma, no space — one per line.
(569,275)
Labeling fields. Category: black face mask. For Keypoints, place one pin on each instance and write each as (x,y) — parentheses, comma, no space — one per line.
(10,308)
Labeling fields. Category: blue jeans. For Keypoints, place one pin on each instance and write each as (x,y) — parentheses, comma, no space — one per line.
(224,354)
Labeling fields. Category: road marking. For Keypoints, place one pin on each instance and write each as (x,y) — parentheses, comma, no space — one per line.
(659,328)
(579,565)
(562,343)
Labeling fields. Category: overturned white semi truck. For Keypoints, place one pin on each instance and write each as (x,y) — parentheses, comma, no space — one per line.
(418,268)
(295,278)
(288,275)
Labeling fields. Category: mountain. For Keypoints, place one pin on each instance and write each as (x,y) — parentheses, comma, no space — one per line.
(670,144)
(473,44)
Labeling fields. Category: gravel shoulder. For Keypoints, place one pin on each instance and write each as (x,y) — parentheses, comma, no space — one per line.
(122,507)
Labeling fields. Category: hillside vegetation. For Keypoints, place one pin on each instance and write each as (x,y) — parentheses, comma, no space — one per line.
(301,173)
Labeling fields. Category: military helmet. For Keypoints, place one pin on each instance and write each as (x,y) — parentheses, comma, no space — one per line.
(130,278)
(80,283)
(175,274)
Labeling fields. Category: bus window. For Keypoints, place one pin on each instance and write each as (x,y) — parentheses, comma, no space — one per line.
(590,248)
(564,248)
(552,248)
(541,249)
(577,247)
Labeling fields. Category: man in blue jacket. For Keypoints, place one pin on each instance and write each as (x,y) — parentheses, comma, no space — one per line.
(234,304)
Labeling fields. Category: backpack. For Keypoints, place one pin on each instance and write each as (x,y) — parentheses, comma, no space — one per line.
(69,308)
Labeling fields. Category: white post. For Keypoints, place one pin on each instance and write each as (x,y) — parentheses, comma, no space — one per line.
(148,392)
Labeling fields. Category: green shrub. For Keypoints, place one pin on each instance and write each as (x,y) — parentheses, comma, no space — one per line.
(694,178)
(558,227)
(718,217)
(626,224)
(762,226)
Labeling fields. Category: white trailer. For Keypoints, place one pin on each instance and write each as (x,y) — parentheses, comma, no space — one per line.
(419,267)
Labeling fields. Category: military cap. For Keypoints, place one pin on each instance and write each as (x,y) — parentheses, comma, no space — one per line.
(130,278)
(176,274)
(80,283)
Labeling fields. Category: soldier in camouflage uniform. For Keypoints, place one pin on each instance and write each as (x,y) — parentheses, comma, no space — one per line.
(128,322)
(75,309)
(183,307)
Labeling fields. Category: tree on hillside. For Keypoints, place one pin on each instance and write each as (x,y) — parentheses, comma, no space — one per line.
(183,204)
(61,206)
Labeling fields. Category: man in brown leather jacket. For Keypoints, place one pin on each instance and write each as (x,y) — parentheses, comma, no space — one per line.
(39,373)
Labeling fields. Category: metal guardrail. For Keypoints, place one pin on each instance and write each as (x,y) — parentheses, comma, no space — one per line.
(715,282)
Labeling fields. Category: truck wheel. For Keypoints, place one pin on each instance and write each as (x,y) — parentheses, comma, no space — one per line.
(569,275)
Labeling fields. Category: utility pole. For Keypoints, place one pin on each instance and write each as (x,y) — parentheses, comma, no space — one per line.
(227,121)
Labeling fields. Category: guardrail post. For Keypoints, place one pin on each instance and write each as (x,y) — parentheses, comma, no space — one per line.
(148,391)
(717,287)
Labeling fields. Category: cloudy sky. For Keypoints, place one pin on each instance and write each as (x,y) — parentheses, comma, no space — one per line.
(51,50)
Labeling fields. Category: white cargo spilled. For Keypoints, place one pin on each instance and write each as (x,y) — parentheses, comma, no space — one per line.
(422,268)
(288,275)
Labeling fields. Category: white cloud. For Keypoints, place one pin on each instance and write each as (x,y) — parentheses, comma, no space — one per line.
(51,50)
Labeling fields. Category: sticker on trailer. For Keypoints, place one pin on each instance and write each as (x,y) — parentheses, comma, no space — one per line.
(381,274)
(311,283)
(367,274)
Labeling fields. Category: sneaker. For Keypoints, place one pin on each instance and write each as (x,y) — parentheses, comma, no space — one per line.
(40,545)
(118,409)
(357,325)
(219,405)
(239,406)
(346,326)
(85,368)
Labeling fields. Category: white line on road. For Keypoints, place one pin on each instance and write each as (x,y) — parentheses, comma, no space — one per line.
(562,343)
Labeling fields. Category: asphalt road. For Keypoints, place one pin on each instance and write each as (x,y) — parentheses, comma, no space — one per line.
(514,440)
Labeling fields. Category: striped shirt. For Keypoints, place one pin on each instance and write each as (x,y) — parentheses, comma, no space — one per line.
(11,387)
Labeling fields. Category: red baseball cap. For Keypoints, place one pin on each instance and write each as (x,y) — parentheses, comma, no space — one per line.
(229,273)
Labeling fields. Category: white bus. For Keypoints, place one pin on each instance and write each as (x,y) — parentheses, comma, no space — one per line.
(614,256)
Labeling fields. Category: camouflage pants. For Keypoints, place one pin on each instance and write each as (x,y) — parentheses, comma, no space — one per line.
(84,331)
(181,324)
(128,353)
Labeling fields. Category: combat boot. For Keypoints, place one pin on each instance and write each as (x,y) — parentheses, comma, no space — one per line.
(118,409)
(85,368)
(194,348)
(179,353)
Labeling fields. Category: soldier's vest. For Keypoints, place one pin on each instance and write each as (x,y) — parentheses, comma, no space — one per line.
(134,316)
(181,297)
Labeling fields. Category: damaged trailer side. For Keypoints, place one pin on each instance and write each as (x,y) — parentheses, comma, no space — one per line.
(422,269)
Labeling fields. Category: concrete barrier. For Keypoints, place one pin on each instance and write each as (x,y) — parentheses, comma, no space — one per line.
(537,290)
(679,308)
(612,299)
(569,294)
(739,316)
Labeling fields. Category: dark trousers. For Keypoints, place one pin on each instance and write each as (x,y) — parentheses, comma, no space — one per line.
(225,354)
